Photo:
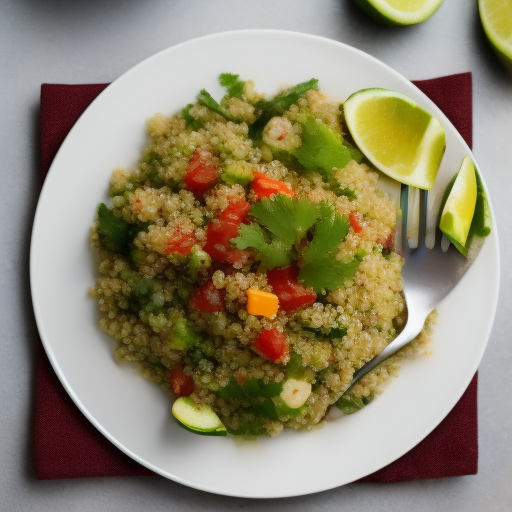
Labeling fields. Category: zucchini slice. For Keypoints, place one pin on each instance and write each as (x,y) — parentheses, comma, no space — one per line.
(200,419)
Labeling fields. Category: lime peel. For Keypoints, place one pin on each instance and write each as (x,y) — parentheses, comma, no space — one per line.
(397,136)
(496,18)
(399,12)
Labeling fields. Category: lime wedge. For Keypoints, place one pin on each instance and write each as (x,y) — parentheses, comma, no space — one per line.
(459,209)
(496,17)
(398,137)
(399,12)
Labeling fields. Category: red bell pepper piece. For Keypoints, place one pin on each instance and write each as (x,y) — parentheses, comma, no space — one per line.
(201,173)
(208,299)
(263,186)
(292,295)
(181,384)
(180,242)
(222,229)
(272,345)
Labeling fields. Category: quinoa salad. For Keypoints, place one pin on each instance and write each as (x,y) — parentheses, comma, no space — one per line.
(247,263)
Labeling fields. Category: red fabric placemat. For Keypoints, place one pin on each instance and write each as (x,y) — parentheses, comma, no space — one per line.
(66,445)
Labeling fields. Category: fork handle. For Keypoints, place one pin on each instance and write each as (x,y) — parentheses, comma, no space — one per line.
(412,328)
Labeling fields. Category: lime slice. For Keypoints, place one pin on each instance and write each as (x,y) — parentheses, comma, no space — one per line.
(400,138)
(496,17)
(459,209)
(400,12)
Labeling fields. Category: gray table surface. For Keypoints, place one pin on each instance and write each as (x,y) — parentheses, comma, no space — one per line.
(74,41)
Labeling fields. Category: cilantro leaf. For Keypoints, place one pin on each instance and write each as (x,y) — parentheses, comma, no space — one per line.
(322,148)
(326,273)
(287,218)
(330,230)
(273,254)
(113,231)
(277,106)
(205,98)
(234,86)
(192,122)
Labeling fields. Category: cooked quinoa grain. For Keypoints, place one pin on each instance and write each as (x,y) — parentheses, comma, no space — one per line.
(235,196)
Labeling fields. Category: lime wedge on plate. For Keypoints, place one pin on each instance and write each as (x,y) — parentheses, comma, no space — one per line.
(466,212)
(459,208)
(398,137)
(496,17)
(399,12)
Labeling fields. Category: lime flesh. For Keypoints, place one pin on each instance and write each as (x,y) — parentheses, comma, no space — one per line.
(400,12)
(400,138)
(496,18)
(458,211)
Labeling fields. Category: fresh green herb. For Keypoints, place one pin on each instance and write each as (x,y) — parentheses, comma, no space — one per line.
(277,106)
(350,405)
(287,218)
(271,254)
(324,272)
(319,267)
(205,98)
(251,388)
(285,412)
(192,123)
(322,148)
(330,230)
(336,333)
(113,231)
(335,186)
(234,86)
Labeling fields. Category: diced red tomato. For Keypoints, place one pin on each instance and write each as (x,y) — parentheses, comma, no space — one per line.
(222,229)
(208,299)
(181,384)
(263,186)
(201,173)
(272,345)
(291,294)
(180,242)
(355,222)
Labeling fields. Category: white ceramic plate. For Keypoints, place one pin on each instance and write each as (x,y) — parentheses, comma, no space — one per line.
(135,414)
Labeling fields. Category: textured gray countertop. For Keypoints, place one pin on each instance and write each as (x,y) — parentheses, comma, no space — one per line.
(96,41)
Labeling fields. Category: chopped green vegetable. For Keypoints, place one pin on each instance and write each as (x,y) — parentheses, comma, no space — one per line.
(335,186)
(183,335)
(205,98)
(197,262)
(139,285)
(322,148)
(235,87)
(238,172)
(350,405)
(113,231)
(251,388)
(294,368)
(192,123)
(273,254)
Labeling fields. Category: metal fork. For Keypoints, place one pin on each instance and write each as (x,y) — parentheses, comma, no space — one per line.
(429,273)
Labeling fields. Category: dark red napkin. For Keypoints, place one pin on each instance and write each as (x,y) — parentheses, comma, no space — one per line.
(66,445)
